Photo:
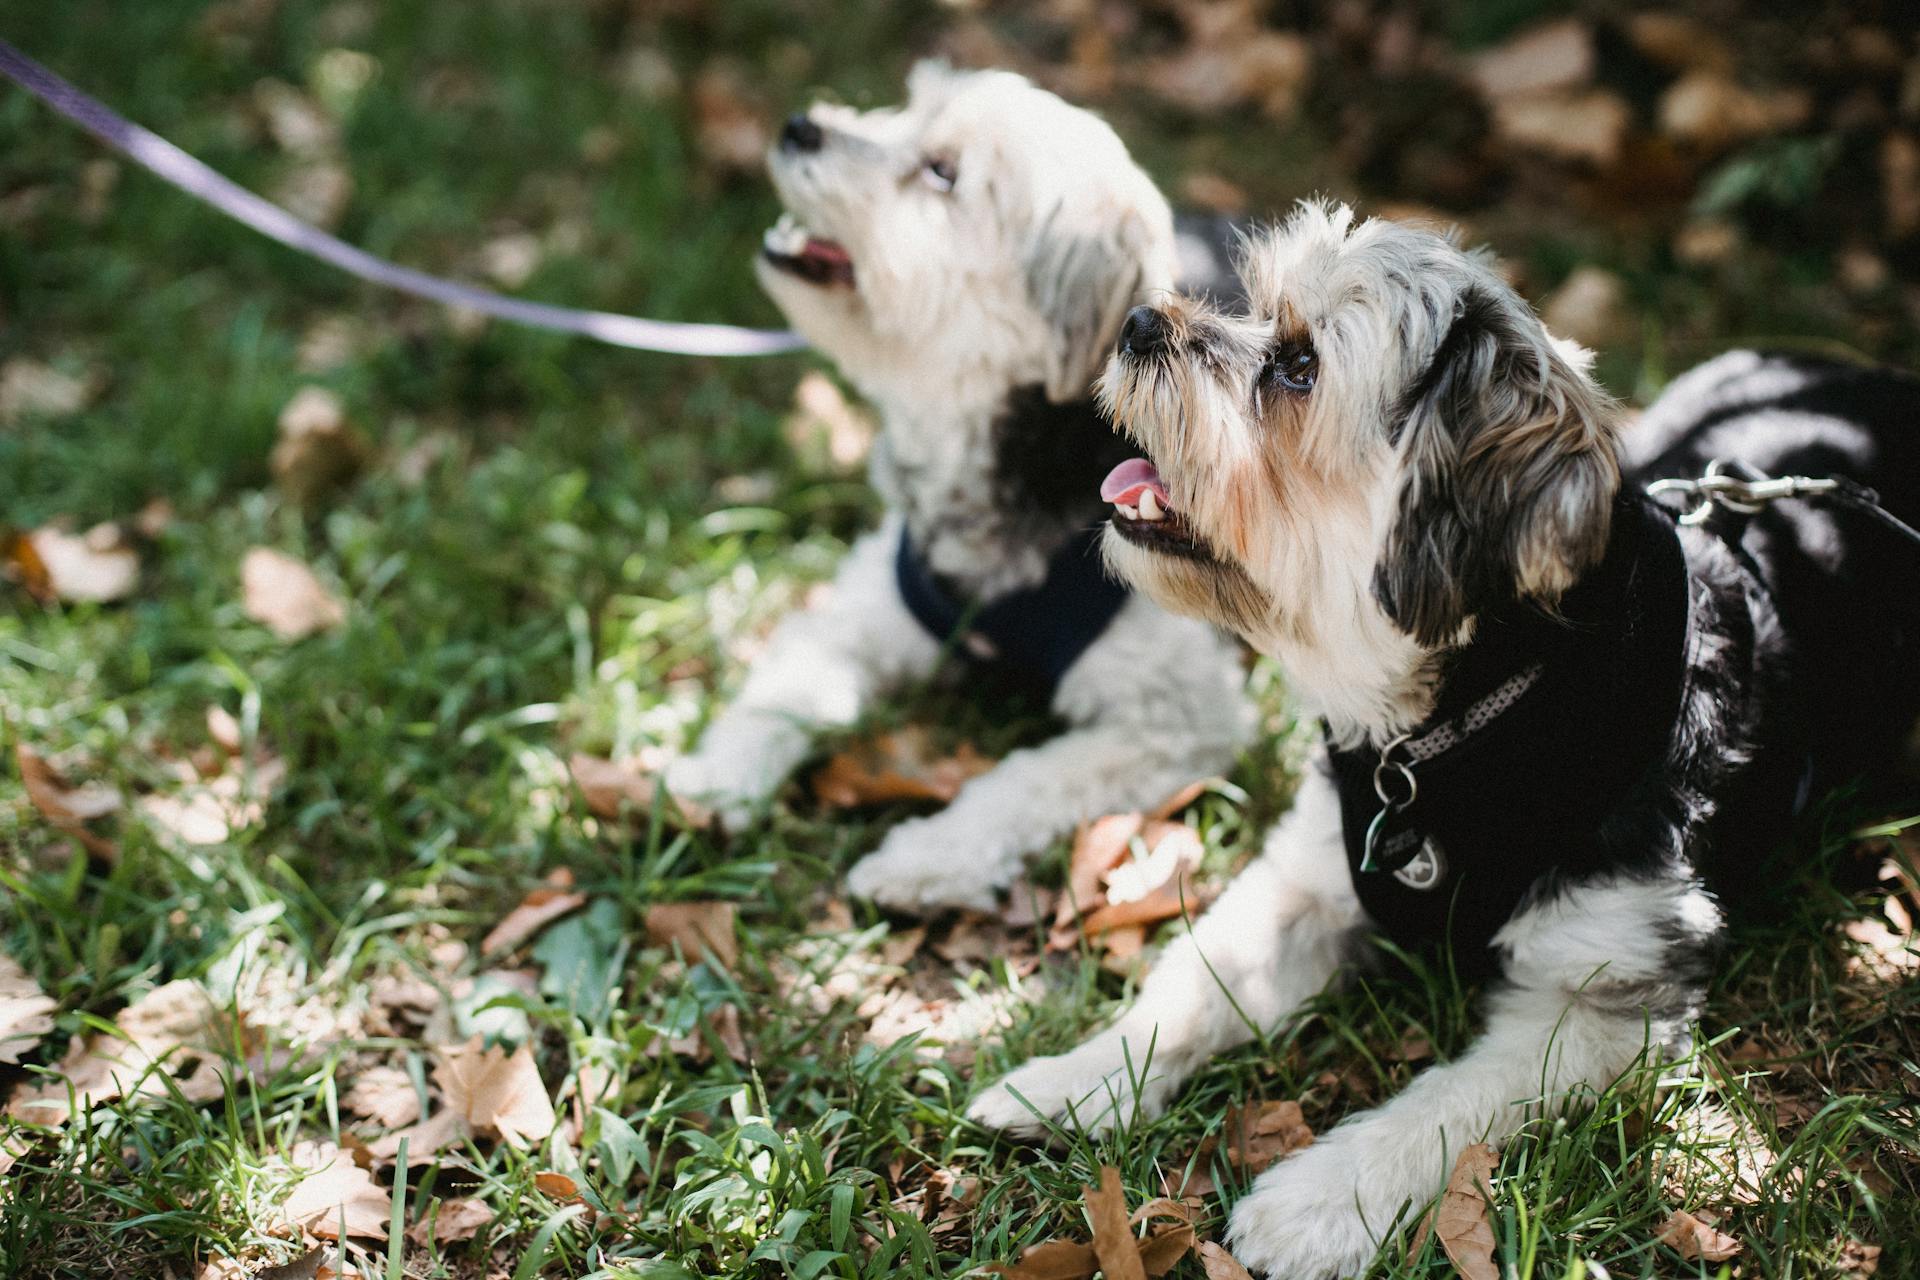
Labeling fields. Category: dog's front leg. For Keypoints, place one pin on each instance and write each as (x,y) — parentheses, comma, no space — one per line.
(821,669)
(1273,940)
(1593,977)
(1156,703)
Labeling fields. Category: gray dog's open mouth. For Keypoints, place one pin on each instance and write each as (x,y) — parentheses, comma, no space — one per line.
(1144,515)
(797,251)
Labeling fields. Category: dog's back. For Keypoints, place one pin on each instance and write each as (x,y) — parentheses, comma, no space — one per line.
(1846,588)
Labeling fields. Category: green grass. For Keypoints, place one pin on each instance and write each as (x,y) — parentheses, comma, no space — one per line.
(566,577)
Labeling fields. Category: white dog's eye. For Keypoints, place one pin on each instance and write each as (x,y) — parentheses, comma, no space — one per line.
(939,173)
(1293,366)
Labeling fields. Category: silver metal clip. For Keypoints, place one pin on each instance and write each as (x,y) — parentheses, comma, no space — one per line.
(1746,494)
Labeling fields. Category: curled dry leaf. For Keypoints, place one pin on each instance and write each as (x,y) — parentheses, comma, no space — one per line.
(283,595)
(1694,1239)
(26,1012)
(452,1222)
(1461,1221)
(1113,1239)
(895,767)
(96,567)
(69,808)
(614,789)
(496,1093)
(385,1095)
(1221,1265)
(1115,1251)
(334,1190)
(696,928)
(536,911)
(556,1186)
(1112,896)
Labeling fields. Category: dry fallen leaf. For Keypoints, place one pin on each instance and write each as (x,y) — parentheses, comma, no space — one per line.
(318,450)
(696,928)
(496,1093)
(26,1012)
(614,789)
(536,911)
(212,810)
(1053,1260)
(1112,895)
(454,1221)
(96,567)
(385,1095)
(69,808)
(1115,1251)
(1554,55)
(1221,1265)
(1460,1222)
(284,595)
(333,1189)
(29,388)
(1588,125)
(895,767)
(556,1186)
(823,422)
(1256,1136)
(1696,1240)
(1113,1239)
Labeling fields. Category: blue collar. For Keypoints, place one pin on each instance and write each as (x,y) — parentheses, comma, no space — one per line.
(1036,633)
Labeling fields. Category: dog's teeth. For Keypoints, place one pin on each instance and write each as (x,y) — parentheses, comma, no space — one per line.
(1131,513)
(786,236)
(1149,505)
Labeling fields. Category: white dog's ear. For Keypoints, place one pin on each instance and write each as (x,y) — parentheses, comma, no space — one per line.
(1082,279)
(1511,468)
(930,81)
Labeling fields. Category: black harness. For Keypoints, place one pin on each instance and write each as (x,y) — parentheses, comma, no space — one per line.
(1034,634)
(1449,828)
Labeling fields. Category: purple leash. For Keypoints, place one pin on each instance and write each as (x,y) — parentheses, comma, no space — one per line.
(172,165)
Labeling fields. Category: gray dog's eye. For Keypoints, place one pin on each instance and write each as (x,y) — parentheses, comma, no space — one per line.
(939,173)
(1291,366)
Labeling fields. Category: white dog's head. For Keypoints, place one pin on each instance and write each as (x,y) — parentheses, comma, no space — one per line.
(1386,446)
(983,236)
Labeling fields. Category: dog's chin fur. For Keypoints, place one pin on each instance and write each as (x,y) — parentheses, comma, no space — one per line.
(1451,457)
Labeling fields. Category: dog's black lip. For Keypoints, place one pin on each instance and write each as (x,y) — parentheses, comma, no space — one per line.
(1169,535)
(812,270)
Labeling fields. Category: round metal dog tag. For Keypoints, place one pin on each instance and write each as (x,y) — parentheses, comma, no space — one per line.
(1426,869)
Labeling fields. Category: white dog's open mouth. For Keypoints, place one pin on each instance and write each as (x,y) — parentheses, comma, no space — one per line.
(797,251)
(1143,514)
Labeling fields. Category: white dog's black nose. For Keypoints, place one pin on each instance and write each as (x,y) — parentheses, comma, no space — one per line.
(1143,333)
(800,133)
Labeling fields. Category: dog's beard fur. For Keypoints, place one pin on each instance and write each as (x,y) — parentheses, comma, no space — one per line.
(1450,458)
(1018,275)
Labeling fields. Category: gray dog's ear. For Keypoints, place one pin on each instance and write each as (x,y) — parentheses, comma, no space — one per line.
(1511,468)
(1083,279)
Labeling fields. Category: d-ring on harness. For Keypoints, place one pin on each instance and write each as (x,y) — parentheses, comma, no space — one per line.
(1740,487)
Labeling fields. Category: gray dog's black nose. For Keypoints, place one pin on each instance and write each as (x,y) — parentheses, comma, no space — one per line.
(1144,332)
(800,133)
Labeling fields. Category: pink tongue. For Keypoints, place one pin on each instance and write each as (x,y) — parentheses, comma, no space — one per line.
(826,251)
(1126,481)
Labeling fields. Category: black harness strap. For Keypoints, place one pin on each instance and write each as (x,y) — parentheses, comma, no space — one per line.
(1036,633)
(1523,767)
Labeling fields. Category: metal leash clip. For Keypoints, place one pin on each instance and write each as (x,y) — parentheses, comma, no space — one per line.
(1746,493)
(1390,804)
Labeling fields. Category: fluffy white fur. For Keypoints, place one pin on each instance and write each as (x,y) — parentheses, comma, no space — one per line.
(1018,275)
(1295,497)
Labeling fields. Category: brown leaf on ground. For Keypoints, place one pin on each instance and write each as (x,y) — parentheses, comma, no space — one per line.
(824,425)
(1696,1240)
(29,388)
(318,450)
(284,596)
(697,929)
(1097,848)
(1181,799)
(1587,125)
(1678,42)
(1590,307)
(895,767)
(67,807)
(211,810)
(384,1095)
(614,789)
(1461,1220)
(1858,1258)
(1711,110)
(26,1012)
(454,1221)
(1113,1240)
(722,1024)
(1257,1135)
(333,1189)
(496,1093)
(1554,55)
(20,563)
(536,911)
(1221,1265)
(556,1186)
(96,567)
(1054,1260)
(173,1029)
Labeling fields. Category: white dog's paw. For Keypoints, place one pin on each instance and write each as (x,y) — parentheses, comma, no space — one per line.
(923,866)
(1091,1089)
(1318,1214)
(731,789)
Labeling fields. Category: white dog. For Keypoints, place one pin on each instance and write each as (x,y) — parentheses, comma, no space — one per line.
(967,260)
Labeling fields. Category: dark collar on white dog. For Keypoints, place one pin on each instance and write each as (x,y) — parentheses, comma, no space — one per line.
(1544,723)
(1034,634)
